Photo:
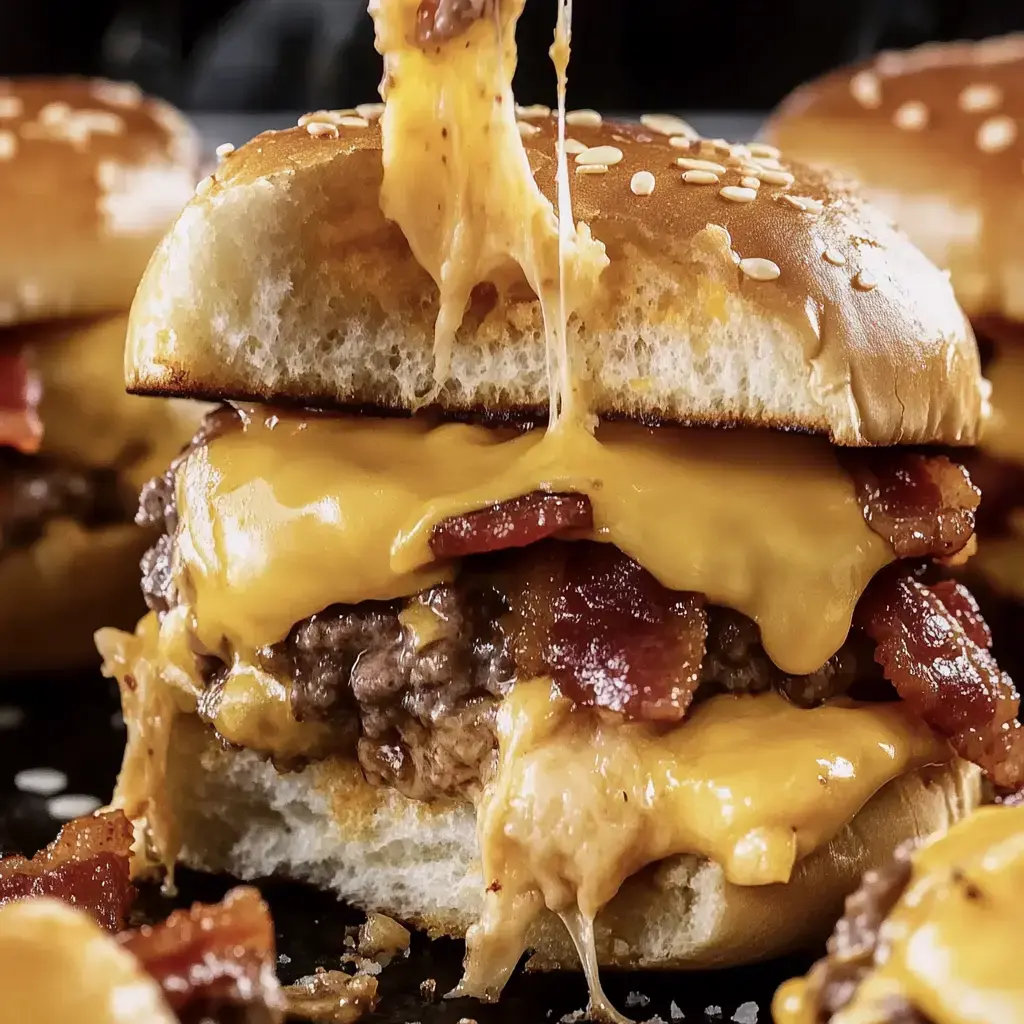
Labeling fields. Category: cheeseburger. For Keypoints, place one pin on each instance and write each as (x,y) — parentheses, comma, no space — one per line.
(930,938)
(934,135)
(91,174)
(544,565)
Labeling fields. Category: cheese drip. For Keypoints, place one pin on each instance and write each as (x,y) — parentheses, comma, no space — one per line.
(951,941)
(457,179)
(565,775)
(292,514)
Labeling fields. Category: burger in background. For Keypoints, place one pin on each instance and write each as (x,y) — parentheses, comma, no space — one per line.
(91,174)
(936,137)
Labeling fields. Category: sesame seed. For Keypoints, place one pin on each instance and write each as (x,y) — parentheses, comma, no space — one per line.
(996,134)
(324,116)
(737,194)
(319,129)
(700,177)
(762,149)
(8,145)
(71,805)
(911,116)
(748,181)
(739,151)
(805,204)
(534,111)
(770,162)
(224,149)
(11,106)
(679,142)
(866,89)
(585,118)
(775,177)
(574,146)
(756,170)
(204,186)
(371,111)
(668,124)
(979,98)
(54,113)
(592,169)
(691,164)
(118,94)
(606,155)
(834,256)
(353,121)
(642,183)
(40,781)
(526,129)
(864,281)
(758,269)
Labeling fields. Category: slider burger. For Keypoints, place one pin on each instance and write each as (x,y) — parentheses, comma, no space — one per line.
(91,175)
(934,135)
(932,938)
(543,566)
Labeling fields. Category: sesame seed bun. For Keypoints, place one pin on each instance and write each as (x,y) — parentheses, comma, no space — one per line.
(782,301)
(936,136)
(418,862)
(91,174)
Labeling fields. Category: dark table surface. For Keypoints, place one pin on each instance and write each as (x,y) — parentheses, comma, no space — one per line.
(71,724)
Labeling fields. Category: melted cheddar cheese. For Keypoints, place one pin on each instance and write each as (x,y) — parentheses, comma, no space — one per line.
(293,514)
(950,943)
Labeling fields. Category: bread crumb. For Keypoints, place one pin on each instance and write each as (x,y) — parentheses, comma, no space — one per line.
(713,1011)
(572,1018)
(674,1012)
(746,1013)
(619,946)
(637,999)
(428,989)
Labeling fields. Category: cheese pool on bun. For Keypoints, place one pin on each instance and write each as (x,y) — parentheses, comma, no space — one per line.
(91,174)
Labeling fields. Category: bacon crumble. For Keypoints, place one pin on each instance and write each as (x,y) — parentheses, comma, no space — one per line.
(933,646)
(516,523)
(87,865)
(923,505)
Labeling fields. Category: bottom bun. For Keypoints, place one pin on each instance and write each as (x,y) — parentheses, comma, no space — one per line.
(56,592)
(373,847)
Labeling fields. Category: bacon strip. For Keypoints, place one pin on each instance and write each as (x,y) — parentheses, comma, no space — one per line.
(213,956)
(923,505)
(87,865)
(20,392)
(608,632)
(933,647)
(516,523)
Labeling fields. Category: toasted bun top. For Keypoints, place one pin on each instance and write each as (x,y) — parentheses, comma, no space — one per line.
(91,175)
(784,301)
(936,135)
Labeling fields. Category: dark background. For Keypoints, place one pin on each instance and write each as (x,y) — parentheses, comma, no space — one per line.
(628,54)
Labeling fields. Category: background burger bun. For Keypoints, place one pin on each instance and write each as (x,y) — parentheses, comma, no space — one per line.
(936,137)
(91,174)
(377,849)
(792,304)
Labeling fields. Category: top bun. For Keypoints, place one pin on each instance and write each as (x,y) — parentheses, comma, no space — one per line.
(936,136)
(782,302)
(91,175)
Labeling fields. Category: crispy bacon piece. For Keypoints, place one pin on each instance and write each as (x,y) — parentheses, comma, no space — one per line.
(933,647)
(86,865)
(20,392)
(213,956)
(923,505)
(516,523)
(608,632)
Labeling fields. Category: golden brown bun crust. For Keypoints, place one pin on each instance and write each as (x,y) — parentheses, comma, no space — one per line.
(414,861)
(91,174)
(936,136)
(324,303)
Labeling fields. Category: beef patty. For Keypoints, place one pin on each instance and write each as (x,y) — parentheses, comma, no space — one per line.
(35,489)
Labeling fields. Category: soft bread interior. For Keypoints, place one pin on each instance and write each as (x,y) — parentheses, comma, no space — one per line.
(374,848)
(282,282)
